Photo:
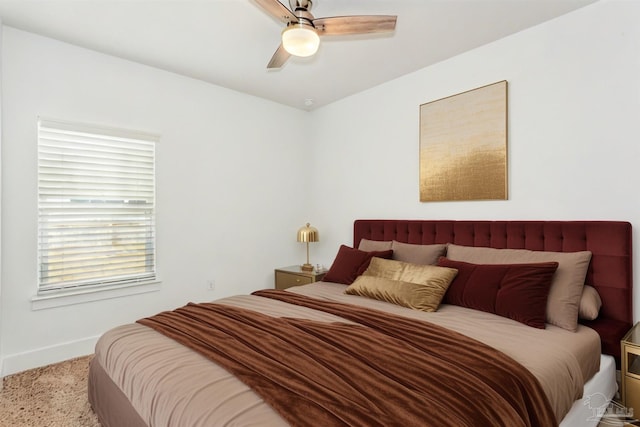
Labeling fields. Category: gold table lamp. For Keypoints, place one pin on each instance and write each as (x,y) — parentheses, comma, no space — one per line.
(308,234)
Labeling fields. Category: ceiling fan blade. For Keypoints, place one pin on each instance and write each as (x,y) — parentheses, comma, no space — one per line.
(277,10)
(279,57)
(358,24)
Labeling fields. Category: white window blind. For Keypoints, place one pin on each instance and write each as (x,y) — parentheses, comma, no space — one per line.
(96,206)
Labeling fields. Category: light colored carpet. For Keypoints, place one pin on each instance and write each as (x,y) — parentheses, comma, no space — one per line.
(52,396)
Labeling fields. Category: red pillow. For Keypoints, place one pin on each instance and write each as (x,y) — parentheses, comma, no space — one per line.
(516,291)
(351,263)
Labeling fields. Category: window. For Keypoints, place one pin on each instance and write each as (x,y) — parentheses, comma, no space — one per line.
(96,207)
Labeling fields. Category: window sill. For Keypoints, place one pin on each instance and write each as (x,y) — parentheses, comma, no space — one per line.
(59,299)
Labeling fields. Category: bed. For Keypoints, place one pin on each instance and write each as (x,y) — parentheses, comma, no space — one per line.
(143,376)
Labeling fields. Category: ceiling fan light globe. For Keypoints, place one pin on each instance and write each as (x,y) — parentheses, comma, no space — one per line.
(300,40)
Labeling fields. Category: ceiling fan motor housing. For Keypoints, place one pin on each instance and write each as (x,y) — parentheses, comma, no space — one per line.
(300,4)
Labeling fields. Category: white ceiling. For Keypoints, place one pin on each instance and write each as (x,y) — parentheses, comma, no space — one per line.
(229,42)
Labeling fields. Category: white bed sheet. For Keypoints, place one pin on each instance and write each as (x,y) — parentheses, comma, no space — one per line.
(598,392)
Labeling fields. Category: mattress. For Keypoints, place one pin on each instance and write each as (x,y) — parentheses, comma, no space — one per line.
(598,392)
(168,384)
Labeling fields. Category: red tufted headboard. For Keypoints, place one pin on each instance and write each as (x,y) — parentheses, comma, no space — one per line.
(610,271)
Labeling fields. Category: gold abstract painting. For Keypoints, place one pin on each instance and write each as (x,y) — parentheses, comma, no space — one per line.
(463,146)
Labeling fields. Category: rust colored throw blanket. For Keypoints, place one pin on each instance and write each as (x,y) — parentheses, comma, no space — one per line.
(386,370)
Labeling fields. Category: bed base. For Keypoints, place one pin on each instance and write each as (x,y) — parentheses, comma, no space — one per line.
(114,409)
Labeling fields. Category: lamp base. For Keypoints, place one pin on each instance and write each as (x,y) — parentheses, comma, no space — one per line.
(306,267)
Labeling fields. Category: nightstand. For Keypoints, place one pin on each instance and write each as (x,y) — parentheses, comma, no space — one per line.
(630,369)
(287,277)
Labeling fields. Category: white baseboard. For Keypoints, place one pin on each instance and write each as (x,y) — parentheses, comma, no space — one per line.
(14,363)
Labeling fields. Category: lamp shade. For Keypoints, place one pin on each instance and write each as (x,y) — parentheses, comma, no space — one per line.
(300,39)
(308,234)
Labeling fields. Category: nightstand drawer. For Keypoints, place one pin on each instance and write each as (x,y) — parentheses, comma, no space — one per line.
(632,359)
(287,280)
(630,369)
(632,394)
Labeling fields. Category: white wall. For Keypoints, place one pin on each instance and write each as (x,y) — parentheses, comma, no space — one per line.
(230,188)
(574,121)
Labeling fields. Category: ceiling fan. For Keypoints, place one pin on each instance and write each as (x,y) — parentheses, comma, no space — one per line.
(301,36)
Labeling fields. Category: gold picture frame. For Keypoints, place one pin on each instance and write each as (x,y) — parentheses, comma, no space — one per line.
(463,146)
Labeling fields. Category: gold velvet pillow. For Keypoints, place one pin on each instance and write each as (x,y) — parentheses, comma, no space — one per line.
(420,287)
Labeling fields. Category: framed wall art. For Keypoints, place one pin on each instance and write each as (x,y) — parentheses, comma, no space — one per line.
(463,146)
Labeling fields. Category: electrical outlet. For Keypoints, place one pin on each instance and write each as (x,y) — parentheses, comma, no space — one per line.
(211,284)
